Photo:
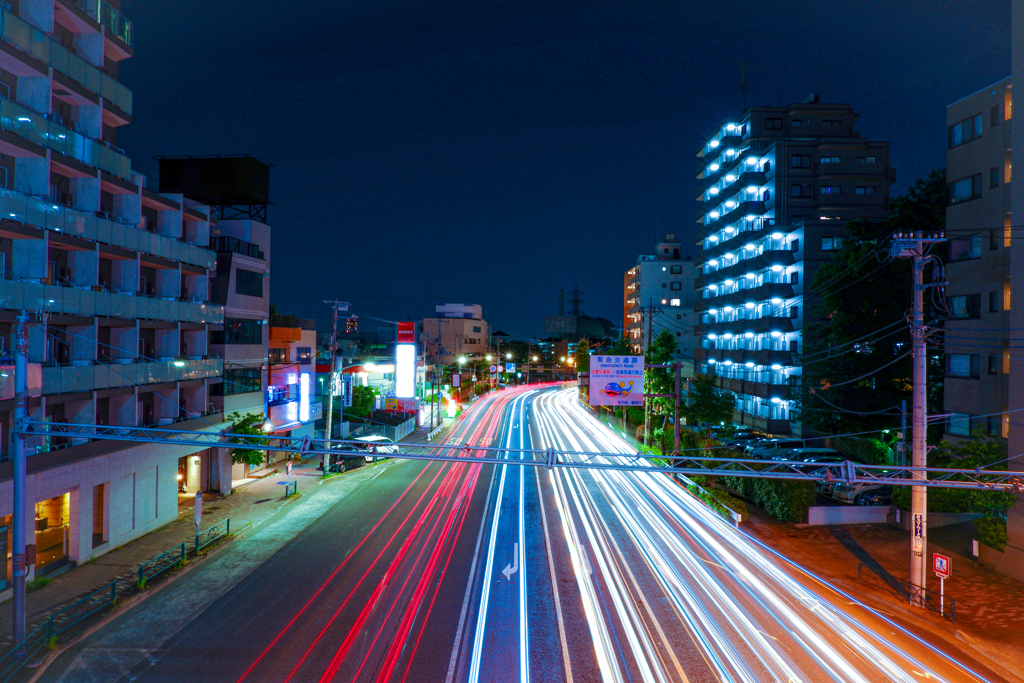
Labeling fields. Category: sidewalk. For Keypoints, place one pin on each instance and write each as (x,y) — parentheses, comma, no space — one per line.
(989,606)
(249,505)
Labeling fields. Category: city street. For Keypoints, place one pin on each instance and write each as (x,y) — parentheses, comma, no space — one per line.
(457,572)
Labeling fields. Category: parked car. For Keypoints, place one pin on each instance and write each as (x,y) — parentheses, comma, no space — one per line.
(342,462)
(851,493)
(741,439)
(375,447)
(773,449)
(879,496)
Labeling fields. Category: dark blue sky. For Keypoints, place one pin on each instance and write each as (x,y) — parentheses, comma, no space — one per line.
(495,152)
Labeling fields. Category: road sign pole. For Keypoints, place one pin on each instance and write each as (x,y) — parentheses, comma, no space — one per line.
(942,594)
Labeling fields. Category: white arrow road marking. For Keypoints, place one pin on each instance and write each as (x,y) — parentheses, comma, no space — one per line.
(511,569)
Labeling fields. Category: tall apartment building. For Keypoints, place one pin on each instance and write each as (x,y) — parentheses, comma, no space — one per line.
(777,186)
(977,343)
(658,295)
(114,278)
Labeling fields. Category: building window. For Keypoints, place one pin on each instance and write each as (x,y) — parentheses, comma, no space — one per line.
(831,243)
(304,354)
(993,364)
(773,124)
(1007,230)
(864,189)
(829,189)
(831,160)
(476,329)
(796,123)
(865,160)
(239,381)
(795,245)
(800,190)
(965,307)
(277,355)
(248,282)
(965,189)
(676,270)
(794,312)
(794,278)
(238,331)
(994,118)
(1006,293)
(1008,103)
(800,160)
(963,365)
(674,302)
(993,177)
(676,286)
(1007,167)
(832,122)
(994,299)
(959,424)
(965,131)
(794,346)
(993,240)
(963,248)
(679,316)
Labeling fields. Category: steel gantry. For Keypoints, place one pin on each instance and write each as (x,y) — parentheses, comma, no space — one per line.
(685,464)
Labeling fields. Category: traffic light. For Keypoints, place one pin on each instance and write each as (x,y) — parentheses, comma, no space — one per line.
(352,324)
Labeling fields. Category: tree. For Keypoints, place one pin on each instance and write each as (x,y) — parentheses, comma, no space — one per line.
(856,366)
(982,451)
(251,425)
(707,404)
(621,347)
(583,365)
(363,399)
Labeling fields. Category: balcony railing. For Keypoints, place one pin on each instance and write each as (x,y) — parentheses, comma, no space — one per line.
(62,380)
(34,42)
(46,214)
(34,296)
(233,244)
(107,15)
(39,129)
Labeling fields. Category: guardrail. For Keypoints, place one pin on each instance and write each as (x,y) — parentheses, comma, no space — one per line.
(435,431)
(56,623)
(215,533)
(914,594)
(163,562)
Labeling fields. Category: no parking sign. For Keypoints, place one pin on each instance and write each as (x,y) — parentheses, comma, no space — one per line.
(942,565)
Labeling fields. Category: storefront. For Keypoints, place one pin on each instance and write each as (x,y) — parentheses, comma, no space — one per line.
(53,519)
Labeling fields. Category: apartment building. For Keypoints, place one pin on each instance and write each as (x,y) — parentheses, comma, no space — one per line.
(977,343)
(292,407)
(658,295)
(777,186)
(114,278)
(456,330)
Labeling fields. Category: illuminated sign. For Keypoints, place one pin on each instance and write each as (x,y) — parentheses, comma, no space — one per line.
(510,367)
(405,370)
(406,333)
(617,381)
(401,405)
(304,397)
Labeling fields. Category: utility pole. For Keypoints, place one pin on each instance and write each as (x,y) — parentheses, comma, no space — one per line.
(337,306)
(20,517)
(679,397)
(915,246)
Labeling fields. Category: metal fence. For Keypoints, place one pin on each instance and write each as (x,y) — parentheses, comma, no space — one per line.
(57,623)
(161,563)
(914,594)
(395,433)
(214,533)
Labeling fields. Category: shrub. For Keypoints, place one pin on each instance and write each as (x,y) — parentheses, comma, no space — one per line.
(783,499)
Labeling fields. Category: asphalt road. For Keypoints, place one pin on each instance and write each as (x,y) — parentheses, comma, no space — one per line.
(462,572)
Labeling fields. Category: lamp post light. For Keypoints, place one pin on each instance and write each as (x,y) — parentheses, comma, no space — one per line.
(462,361)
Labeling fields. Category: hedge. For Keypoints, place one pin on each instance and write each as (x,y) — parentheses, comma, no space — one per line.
(783,499)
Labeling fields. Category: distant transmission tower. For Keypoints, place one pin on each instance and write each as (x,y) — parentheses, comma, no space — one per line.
(561,302)
(576,300)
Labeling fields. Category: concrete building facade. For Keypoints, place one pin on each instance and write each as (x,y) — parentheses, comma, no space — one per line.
(778,185)
(456,330)
(658,294)
(978,226)
(115,280)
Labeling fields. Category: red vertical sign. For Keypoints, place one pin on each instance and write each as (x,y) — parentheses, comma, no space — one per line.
(406,333)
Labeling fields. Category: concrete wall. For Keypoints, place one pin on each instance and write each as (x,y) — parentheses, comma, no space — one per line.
(1014,564)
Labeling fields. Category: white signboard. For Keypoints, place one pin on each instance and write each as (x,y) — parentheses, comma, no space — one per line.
(616,380)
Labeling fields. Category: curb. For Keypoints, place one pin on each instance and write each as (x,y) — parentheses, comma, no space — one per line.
(954,636)
(124,607)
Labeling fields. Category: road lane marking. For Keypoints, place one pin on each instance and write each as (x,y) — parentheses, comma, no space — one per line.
(554,581)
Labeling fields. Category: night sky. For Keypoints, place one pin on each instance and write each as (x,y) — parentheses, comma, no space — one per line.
(495,152)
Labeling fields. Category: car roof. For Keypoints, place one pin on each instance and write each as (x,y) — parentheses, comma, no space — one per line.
(373,437)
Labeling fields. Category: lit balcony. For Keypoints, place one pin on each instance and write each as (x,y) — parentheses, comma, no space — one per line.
(87,302)
(36,128)
(75,379)
(36,44)
(15,206)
